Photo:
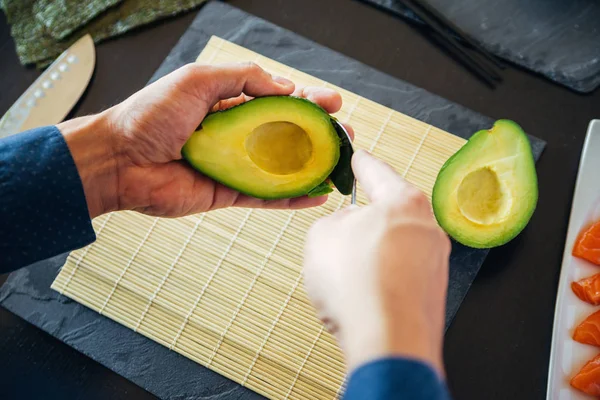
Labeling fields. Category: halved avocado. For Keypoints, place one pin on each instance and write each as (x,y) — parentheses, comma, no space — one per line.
(270,147)
(486,193)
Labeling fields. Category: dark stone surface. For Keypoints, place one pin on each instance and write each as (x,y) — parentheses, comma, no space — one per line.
(556,38)
(152,366)
(498,344)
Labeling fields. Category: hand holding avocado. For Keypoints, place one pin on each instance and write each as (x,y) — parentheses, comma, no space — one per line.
(272,147)
(130,156)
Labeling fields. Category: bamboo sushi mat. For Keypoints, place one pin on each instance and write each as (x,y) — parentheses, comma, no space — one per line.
(225,288)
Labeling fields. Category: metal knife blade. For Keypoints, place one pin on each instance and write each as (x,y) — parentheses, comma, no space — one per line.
(50,98)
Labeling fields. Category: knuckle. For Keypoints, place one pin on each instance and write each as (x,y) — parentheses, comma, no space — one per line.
(195,80)
(415,196)
(407,200)
(252,67)
(192,70)
(331,326)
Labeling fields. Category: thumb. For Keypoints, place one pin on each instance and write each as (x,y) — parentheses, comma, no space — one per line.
(230,80)
(378,179)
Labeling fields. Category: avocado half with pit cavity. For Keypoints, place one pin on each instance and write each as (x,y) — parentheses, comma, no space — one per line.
(486,193)
(271,148)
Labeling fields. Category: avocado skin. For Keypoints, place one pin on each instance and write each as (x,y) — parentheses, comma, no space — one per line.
(342,175)
(518,224)
(247,190)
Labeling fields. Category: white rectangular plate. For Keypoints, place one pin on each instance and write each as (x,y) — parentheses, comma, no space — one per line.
(567,356)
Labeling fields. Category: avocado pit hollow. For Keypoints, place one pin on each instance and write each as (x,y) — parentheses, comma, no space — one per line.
(279,147)
(482,198)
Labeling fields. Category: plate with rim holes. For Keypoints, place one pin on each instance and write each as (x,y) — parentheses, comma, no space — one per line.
(567,356)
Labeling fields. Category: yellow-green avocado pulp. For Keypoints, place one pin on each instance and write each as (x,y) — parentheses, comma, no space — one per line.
(486,193)
(270,147)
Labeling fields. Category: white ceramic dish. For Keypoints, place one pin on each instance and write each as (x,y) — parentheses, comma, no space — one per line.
(567,356)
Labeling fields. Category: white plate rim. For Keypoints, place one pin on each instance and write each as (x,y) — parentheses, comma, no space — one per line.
(584,198)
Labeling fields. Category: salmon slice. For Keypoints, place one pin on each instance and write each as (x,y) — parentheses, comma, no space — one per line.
(587,245)
(588,379)
(588,332)
(588,289)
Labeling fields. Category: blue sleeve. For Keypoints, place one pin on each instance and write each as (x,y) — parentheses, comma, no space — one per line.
(396,378)
(43,211)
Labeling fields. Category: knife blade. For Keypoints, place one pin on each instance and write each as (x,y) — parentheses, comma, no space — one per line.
(52,96)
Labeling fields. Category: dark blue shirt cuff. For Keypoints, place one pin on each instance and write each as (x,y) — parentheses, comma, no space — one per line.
(396,378)
(43,211)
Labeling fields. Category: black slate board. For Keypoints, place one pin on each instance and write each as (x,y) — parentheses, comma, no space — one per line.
(559,39)
(163,372)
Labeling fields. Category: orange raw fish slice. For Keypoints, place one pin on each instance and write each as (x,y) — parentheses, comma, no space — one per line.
(587,245)
(588,332)
(588,379)
(588,289)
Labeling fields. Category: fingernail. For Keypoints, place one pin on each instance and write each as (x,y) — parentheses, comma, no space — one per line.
(283,81)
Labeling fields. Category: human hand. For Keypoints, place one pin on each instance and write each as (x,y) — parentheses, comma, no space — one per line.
(129,156)
(378,274)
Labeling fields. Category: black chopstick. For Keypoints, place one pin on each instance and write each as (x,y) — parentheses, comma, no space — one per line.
(459,32)
(490,79)
(446,39)
(453,45)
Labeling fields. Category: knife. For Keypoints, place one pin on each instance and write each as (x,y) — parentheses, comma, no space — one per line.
(50,98)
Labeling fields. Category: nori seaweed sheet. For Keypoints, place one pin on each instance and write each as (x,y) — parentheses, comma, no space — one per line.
(35,45)
(63,17)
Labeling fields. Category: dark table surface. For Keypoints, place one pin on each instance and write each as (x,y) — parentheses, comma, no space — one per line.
(499,344)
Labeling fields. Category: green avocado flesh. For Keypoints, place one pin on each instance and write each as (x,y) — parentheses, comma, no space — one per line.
(486,193)
(270,147)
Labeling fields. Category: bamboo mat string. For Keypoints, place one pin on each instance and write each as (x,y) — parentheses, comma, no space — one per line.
(289,73)
(312,347)
(272,327)
(83,254)
(352,109)
(260,270)
(381,130)
(340,390)
(412,160)
(168,273)
(112,292)
(214,272)
(215,52)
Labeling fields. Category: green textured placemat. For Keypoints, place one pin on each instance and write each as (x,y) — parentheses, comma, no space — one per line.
(36,45)
(62,17)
